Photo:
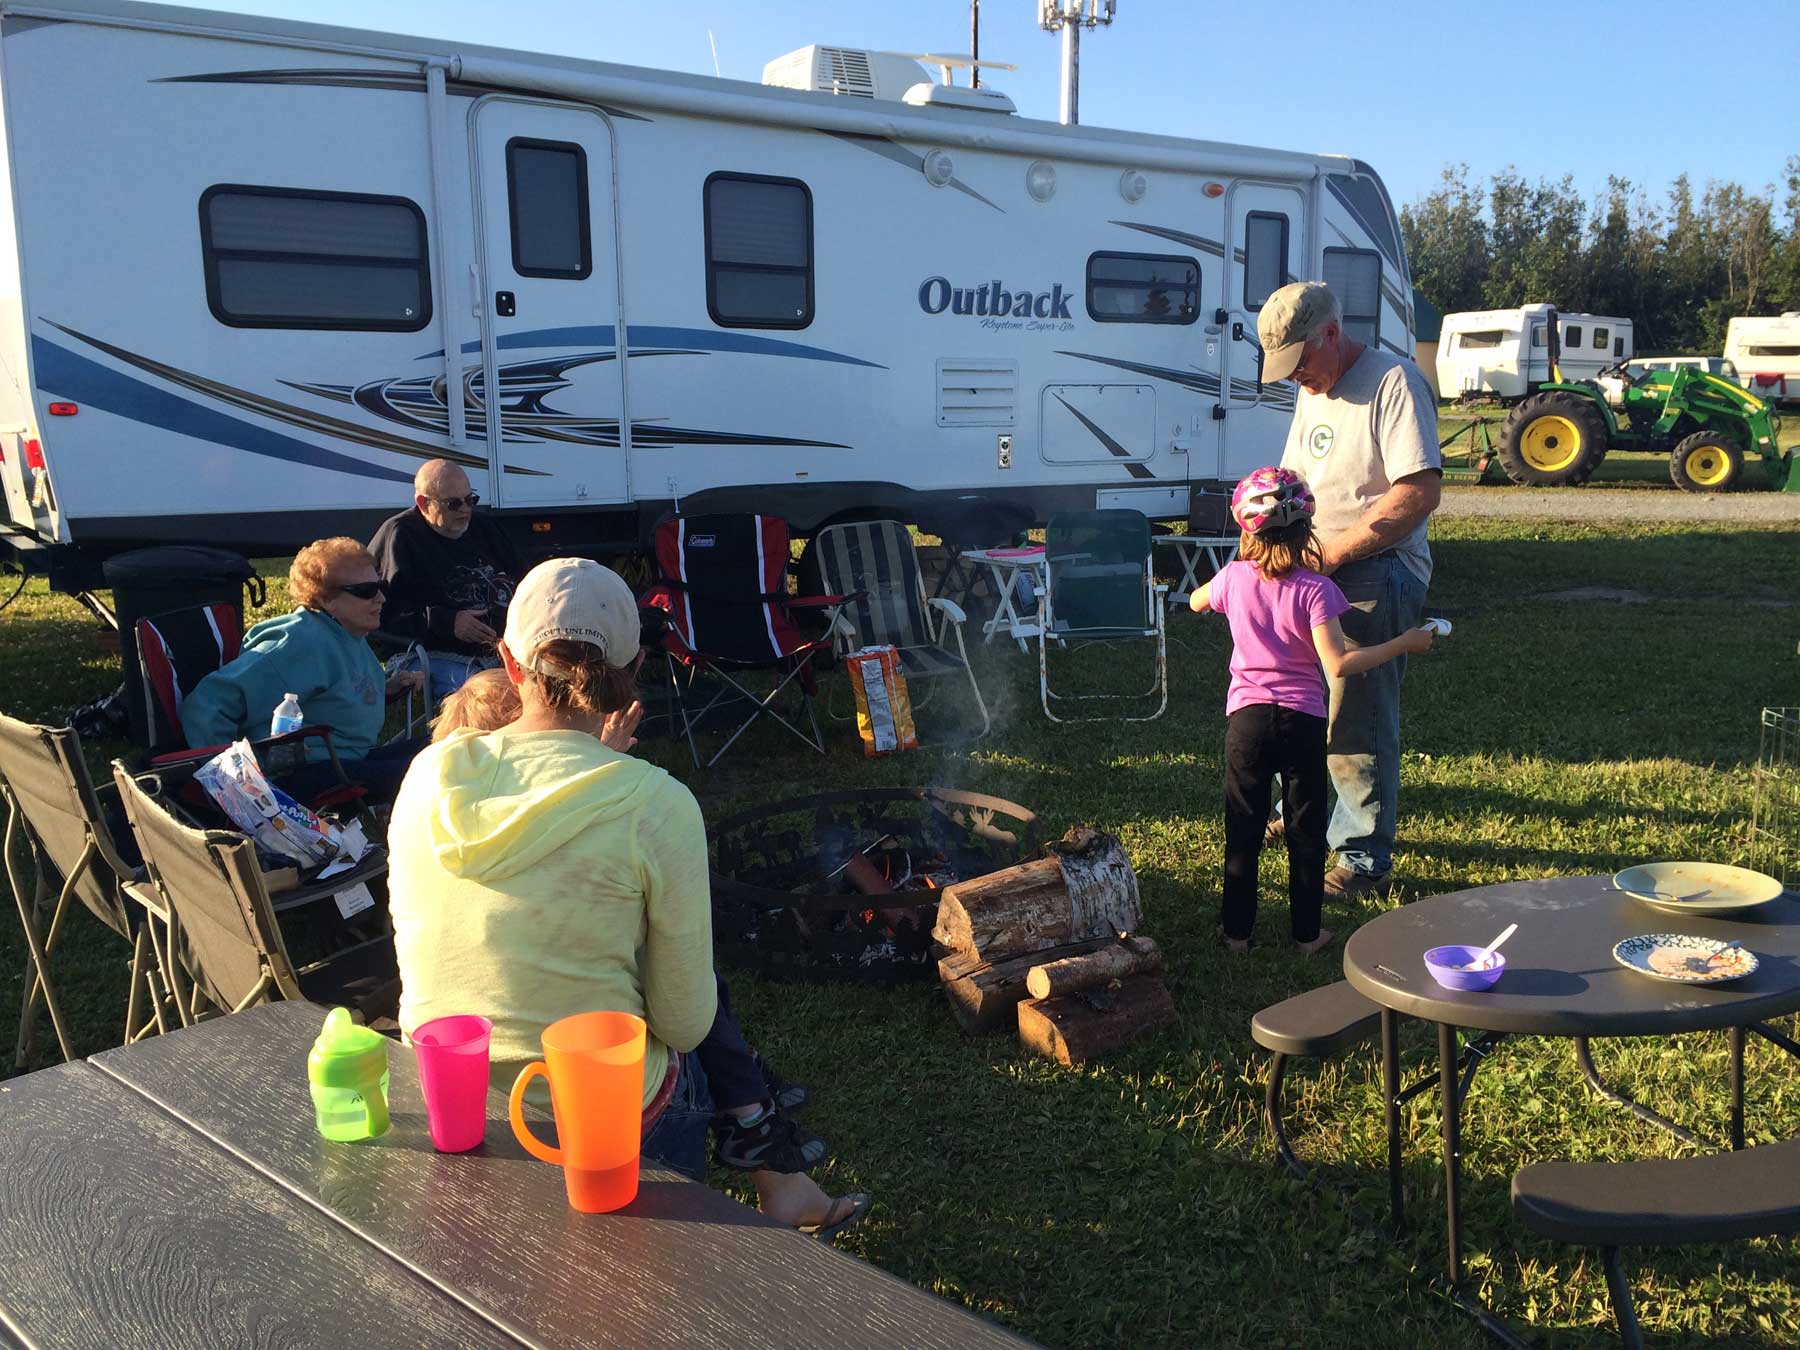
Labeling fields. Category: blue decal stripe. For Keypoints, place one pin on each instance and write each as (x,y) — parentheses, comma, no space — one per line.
(81,380)
(701,339)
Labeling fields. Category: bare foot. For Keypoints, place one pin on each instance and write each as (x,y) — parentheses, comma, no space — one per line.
(796,1199)
(1308,948)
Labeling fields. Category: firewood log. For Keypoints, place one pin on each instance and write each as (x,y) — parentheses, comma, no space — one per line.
(983,995)
(1096,969)
(1075,1028)
(1084,889)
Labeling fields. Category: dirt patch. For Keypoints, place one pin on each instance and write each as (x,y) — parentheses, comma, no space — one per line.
(1590,594)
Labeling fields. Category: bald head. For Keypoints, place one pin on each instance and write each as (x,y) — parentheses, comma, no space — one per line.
(438,483)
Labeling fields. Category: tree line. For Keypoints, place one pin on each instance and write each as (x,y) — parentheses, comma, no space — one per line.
(1679,268)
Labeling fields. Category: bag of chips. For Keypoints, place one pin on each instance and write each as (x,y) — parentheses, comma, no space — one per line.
(282,827)
(884,717)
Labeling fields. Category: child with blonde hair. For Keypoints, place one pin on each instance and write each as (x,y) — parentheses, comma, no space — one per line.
(1284,627)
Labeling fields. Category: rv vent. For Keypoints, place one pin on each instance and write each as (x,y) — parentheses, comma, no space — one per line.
(977,393)
(851,71)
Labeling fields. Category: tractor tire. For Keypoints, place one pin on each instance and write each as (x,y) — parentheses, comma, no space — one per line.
(1706,462)
(1552,440)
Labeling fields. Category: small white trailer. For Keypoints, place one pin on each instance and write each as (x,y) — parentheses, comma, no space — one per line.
(1766,353)
(267,268)
(1505,353)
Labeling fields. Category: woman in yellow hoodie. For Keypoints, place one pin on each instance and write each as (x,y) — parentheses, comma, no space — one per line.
(536,872)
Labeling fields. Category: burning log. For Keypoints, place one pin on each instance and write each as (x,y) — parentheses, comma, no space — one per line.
(1094,970)
(1074,1028)
(1084,889)
(983,995)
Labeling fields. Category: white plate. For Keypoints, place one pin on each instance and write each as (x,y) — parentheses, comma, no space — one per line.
(1683,958)
(1697,887)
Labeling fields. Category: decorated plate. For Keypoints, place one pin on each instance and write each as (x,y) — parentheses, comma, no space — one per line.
(1670,956)
(1697,887)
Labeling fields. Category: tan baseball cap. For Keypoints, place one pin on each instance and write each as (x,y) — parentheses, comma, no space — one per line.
(577,600)
(1287,317)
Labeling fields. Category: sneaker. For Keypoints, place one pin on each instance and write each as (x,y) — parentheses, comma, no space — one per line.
(775,1143)
(786,1096)
(1346,883)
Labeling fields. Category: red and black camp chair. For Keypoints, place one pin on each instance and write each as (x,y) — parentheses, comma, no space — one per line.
(724,588)
(176,651)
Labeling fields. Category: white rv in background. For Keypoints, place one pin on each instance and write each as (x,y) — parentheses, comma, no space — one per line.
(270,267)
(1766,353)
(1504,353)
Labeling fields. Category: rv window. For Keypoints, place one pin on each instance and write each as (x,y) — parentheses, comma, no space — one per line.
(1537,334)
(547,198)
(1765,350)
(1354,275)
(759,251)
(284,258)
(1265,256)
(1488,337)
(1618,346)
(1142,288)
(1601,336)
(1571,337)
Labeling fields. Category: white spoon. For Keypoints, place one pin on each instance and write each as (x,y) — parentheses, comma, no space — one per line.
(1480,962)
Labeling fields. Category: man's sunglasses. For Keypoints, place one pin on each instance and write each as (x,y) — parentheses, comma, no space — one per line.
(364,590)
(457,503)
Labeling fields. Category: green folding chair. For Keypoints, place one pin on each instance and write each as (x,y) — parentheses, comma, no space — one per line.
(1100,586)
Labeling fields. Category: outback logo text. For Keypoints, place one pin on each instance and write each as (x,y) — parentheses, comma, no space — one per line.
(992,300)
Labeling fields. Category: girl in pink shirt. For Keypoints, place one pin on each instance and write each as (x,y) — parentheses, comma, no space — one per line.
(1284,627)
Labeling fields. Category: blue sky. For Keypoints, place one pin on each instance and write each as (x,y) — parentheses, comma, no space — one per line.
(1409,85)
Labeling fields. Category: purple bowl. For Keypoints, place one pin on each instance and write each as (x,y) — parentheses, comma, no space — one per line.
(1445,964)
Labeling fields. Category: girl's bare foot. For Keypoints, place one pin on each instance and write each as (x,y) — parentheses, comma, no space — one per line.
(798,1201)
(1308,948)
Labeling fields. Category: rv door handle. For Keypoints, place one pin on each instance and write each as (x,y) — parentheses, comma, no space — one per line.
(504,304)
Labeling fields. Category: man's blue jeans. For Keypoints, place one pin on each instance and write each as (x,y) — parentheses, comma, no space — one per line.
(1363,740)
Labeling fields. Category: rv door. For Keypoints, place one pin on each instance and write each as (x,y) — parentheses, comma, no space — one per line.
(549,305)
(1534,362)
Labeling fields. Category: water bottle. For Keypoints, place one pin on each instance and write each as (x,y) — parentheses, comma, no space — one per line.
(287,716)
(348,1072)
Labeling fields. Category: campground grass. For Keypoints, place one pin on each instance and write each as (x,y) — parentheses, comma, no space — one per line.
(1135,1201)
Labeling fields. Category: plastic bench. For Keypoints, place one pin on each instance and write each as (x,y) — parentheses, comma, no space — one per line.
(1318,1025)
(1660,1202)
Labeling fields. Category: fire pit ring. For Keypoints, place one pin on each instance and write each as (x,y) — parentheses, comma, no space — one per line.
(785,877)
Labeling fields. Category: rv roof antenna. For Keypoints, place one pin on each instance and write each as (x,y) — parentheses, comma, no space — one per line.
(1069,17)
(948,64)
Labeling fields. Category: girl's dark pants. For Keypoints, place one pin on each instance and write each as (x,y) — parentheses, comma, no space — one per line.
(1263,740)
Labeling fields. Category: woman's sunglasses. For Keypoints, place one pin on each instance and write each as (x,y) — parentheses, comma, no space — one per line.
(364,590)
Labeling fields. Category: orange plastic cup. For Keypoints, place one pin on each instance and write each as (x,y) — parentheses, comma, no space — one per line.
(595,1064)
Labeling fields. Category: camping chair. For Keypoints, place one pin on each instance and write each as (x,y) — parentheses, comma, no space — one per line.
(724,587)
(223,921)
(177,650)
(1100,586)
(873,563)
(52,803)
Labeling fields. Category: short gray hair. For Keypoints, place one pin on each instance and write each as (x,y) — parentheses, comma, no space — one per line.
(1333,313)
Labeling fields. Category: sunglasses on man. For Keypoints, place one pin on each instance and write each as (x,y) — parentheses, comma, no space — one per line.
(364,590)
(458,503)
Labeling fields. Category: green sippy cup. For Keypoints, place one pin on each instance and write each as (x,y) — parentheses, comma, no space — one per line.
(348,1071)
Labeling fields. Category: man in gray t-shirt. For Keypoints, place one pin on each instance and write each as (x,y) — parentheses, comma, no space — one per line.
(1364,437)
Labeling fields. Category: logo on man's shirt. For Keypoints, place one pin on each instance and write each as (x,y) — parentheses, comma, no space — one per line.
(1319,440)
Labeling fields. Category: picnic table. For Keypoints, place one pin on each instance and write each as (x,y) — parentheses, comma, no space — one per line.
(1215,550)
(1005,566)
(1561,980)
(176,1193)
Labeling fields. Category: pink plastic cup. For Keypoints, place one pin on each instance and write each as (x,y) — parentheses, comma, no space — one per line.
(453,1072)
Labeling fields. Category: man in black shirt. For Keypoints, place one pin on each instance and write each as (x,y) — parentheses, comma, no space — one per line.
(450,575)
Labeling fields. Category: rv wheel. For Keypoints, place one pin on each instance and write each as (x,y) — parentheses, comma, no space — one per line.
(1552,440)
(1706,462)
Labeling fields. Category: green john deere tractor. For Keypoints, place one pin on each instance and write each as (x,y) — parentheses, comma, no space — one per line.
(1705,424)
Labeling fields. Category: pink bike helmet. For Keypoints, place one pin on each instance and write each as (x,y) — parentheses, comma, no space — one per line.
(1269,499)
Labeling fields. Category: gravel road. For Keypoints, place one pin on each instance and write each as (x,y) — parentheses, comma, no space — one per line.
(1589,503)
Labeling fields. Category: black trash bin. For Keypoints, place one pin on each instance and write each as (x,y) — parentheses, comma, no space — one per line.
(150,581)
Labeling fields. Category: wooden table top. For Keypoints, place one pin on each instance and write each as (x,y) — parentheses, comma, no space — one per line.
(204,1141)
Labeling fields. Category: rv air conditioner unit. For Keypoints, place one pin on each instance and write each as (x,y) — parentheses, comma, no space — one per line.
(958,96)
(846,70)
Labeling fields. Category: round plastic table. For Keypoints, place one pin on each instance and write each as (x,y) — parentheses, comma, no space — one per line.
(1560,980)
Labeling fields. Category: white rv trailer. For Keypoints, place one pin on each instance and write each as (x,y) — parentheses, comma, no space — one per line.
(257,257)
(1766,353)
(1504,353)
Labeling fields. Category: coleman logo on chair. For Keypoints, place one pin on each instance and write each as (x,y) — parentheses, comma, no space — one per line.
(700,541)
(990,299)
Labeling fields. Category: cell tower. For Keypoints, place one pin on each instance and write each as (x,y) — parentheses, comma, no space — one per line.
(1069,17)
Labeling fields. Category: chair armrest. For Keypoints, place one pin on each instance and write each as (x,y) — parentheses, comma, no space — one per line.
(952,611)
(819,601)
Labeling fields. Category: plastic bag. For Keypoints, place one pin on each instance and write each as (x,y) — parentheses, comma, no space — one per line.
(280,826)
(884,717)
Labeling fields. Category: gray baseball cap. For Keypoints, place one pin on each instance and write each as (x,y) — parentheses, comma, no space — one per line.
(1287,317)
(575,599)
